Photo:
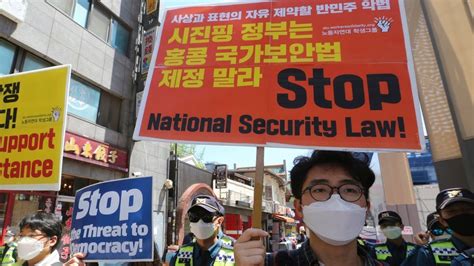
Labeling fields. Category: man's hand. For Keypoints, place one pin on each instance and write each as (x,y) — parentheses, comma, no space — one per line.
(249,248)
(422,238)
(76,260)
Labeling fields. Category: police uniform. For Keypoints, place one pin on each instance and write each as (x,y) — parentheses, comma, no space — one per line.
(450,251)
(226,240)
(191,254)
(386,252)
(8,255)
(441,252)
(389,252)
(221,253)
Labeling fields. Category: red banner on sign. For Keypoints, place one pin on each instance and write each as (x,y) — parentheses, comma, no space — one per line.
(91,151)
(325,74)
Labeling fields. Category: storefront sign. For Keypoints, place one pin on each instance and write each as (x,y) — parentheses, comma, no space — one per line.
(32,124)
(90,151)
(150,17)
(294,73)
(112,221)
(147,49)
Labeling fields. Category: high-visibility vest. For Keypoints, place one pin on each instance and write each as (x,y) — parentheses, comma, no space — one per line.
(383,253)
(8,258)
(443,251)
(225,256)
(227,240)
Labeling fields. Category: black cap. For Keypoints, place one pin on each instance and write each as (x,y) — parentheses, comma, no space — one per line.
(209,203)
(389,216)
(452,195)
(432,220)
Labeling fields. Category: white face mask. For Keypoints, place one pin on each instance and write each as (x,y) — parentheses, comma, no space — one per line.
(335,221)
(202,230)
(392,232)
(29,248)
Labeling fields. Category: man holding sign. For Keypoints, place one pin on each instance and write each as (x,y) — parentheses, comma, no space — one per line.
(206,215)
(331,192)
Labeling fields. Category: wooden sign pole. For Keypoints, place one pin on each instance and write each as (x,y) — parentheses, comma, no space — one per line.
(258,190)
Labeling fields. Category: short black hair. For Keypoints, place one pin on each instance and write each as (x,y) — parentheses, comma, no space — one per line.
(47,223)
(356,165)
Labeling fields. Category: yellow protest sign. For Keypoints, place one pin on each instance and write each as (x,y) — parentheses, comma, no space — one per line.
(32,125)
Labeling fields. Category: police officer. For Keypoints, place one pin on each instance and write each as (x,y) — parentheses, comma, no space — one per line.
(8,252)
(455,207)
(395,249)
(210,247)
(435,230)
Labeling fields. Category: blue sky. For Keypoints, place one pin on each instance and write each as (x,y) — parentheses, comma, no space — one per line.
(246,156)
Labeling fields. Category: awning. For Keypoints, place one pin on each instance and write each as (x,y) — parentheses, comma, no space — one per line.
(283,218)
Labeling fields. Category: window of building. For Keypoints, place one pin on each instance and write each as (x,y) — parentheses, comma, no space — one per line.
(83,100)
(32,62)
(109,111)
(63,5)
(99,23)
(90,103)
(119,37)
(81,11)
(7,55)
(91,15)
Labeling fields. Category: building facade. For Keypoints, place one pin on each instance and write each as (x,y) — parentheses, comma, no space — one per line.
(98,39)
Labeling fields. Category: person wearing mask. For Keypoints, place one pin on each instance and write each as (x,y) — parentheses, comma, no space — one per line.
(331,191)
(455,207)
(206,216)
(395,249)
(39,236)
(435,231)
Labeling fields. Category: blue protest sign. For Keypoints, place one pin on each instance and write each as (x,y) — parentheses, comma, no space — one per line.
(112,221)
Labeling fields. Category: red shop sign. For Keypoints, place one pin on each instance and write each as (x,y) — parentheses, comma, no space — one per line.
(90,151)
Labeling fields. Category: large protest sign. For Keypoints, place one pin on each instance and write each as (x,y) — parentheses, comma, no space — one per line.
(112,221)
(32,124)
(330,74)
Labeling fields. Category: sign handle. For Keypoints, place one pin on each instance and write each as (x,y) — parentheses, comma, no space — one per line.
(258,190)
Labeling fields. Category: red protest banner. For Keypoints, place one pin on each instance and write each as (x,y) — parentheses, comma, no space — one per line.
(324,74)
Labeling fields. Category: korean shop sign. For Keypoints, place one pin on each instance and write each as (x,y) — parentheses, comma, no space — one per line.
(331,74)
(91,151)
(32,124)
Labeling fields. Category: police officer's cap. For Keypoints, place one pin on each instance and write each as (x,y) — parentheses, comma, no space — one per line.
(389,216)
(209,203)
(432,221)
(452,195)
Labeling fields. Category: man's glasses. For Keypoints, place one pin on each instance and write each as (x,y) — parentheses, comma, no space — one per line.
(205,217)
(322,192)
